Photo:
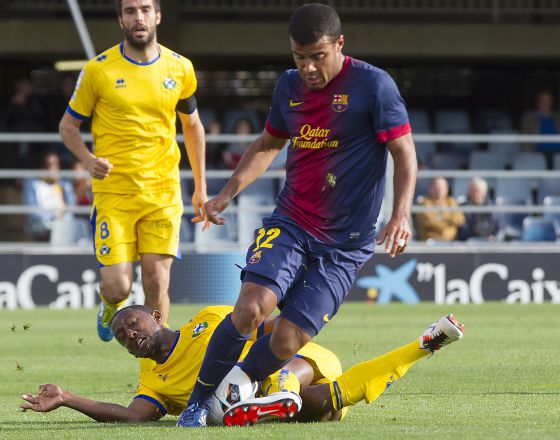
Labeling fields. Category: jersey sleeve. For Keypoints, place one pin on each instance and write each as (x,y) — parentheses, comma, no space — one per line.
(146,393)
(388,112)
(189,82)
(275,123)
(85,95)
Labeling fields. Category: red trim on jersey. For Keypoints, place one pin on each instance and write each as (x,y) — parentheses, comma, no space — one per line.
(345,65)
(275,132)
(393,133)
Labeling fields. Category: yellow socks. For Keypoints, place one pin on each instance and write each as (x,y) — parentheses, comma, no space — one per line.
(367,380)
(282,380)
(109,310)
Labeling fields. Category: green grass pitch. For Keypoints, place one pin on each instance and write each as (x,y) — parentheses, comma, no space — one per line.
(502,381)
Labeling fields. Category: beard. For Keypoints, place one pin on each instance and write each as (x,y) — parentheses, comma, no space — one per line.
(139,44)
(154,346)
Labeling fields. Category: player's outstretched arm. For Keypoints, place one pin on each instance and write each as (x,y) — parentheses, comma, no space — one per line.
(195,146)
(252,165)
(397,231)
(51,397)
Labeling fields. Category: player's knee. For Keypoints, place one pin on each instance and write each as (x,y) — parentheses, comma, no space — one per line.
(247,317)
(154,284)
(116,289)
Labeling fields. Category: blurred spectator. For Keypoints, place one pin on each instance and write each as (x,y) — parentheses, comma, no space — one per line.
(544,120)
(233,152)
(439,225)
(51,194)
(82,186)
(56,106)
(483,224)
(214,150)
(58,101)
(23,113)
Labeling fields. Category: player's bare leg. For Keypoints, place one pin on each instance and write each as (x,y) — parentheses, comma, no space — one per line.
(156,271)
(254,305)
(115,286)
(318,406)
(287,339)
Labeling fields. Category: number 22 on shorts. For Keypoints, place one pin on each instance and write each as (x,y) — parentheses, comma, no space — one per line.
(271,234)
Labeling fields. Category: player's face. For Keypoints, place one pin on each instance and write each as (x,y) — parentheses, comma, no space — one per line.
(320,62)
(138,332)
(139,22)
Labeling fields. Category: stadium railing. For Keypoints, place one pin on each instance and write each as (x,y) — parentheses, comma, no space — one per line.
(46,138)
(490,10)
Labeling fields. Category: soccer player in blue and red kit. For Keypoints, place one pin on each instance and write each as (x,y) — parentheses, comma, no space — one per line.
(341,116)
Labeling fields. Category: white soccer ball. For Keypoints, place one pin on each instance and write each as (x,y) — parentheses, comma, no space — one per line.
(235,387)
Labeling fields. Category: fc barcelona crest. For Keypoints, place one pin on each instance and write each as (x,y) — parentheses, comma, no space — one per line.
(339,103)
(255,258)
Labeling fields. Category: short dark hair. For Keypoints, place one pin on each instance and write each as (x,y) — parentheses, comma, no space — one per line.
(311,22)
(118,6)
(145,309)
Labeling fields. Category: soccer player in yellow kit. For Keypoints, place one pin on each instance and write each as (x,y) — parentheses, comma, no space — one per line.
(133,92)
(171,360)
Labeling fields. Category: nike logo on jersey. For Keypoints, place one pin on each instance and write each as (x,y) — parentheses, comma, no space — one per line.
(204,383)
(294,104)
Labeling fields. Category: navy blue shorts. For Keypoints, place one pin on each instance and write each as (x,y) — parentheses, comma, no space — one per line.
(310,278)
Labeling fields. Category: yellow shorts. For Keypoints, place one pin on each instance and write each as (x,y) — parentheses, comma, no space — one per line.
(326,365)
(127,225)
(324,362)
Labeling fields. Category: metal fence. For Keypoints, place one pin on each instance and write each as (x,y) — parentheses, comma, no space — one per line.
(486,10)
(279,174)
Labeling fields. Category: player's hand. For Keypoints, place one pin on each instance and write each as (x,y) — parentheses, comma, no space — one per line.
(98,167)
(199,198)
(397,233)
(49,398)
(214,207)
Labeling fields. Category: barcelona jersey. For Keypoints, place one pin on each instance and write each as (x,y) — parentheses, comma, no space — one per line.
(132,107)
(169,385)
(337,153)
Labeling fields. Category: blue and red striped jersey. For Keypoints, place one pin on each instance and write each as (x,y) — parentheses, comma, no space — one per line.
(337,154)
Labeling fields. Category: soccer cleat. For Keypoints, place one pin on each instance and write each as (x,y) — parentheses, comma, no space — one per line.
(440,333)
(281,406)
(194,416)
(104,316)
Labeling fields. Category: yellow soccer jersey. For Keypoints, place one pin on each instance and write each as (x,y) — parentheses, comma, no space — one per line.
(170,384)
(132,107)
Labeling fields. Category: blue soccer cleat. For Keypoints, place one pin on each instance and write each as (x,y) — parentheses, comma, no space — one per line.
(104,316)
(194,416)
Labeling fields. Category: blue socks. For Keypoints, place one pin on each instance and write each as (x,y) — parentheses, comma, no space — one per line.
(222,354)
(261,362)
